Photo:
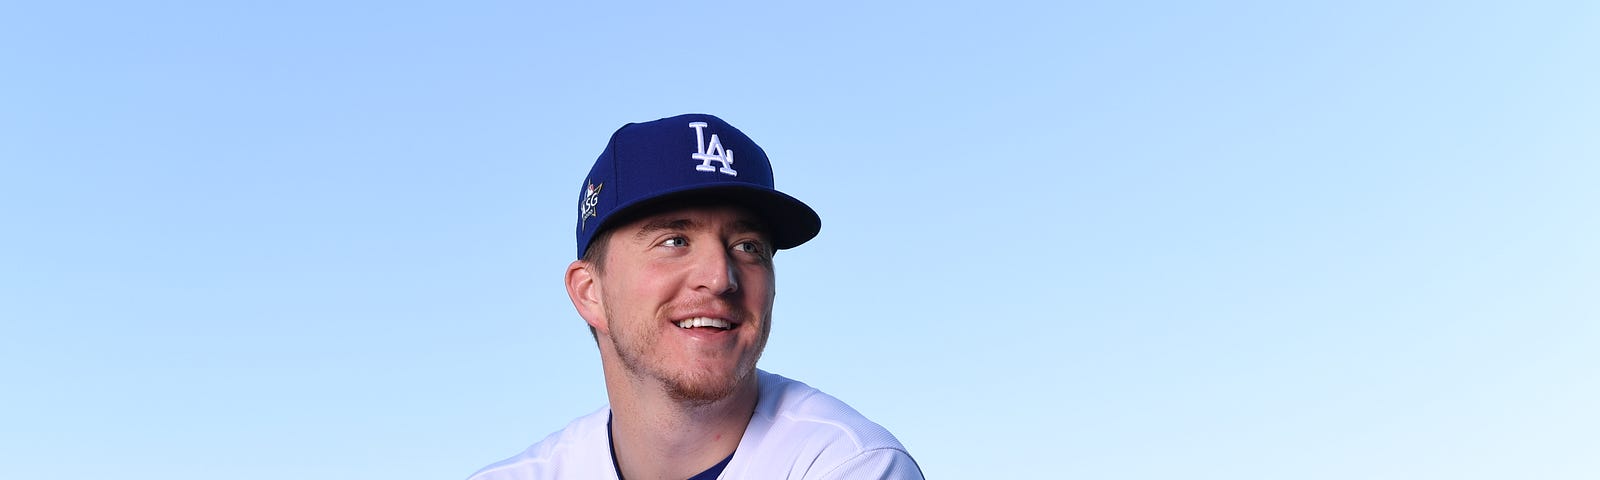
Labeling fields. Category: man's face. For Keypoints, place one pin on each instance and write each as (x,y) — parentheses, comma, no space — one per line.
(687,296)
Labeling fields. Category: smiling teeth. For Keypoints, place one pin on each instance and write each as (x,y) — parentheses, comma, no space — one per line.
(705,322)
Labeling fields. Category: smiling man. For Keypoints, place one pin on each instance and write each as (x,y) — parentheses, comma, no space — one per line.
(678,222)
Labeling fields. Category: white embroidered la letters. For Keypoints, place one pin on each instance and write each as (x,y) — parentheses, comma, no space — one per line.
(711,153)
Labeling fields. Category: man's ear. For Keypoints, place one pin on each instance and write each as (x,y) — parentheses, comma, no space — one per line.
(583,287)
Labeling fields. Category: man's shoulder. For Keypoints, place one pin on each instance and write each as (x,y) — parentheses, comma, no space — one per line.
(792,404)
(568,453)
(807,433)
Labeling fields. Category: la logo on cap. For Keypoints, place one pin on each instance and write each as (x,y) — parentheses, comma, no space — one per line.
(711,153)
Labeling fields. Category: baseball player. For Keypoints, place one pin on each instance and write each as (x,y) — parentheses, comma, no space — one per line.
(677,225)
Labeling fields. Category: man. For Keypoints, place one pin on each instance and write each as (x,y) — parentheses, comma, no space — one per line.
(677,225)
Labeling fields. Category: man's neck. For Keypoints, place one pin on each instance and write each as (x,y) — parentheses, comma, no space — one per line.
(657,437)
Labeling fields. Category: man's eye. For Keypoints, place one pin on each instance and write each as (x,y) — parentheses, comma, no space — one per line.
(748,247)
(675,242)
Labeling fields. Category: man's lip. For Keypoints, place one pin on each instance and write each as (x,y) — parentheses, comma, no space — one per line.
(732,324)
(724,316)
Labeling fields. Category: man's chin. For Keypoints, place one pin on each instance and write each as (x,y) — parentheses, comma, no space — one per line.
(705,387)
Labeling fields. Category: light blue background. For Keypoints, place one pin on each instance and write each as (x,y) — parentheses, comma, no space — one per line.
(1129,240)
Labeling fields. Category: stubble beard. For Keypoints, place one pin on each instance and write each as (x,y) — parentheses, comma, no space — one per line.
(693,387)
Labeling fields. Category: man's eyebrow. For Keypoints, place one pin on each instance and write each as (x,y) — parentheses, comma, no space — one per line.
(747,226)
(653,226)
(682,224)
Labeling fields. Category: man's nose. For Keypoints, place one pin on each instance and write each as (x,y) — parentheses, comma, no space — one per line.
(715,272)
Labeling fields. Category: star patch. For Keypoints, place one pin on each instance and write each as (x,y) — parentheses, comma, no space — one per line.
(586,209)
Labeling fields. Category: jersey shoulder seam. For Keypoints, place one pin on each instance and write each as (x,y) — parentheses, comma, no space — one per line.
(863,453)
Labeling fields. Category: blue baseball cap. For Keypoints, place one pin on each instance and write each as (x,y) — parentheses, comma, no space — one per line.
(681,159)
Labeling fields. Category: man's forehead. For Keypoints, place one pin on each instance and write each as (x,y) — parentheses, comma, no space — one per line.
(699,217)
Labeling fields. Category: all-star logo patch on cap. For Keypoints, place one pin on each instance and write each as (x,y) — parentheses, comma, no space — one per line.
(687,158)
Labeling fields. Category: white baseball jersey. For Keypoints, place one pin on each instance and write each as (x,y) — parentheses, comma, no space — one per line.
(797,432)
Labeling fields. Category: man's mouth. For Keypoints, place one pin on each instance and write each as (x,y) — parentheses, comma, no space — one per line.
(706,322)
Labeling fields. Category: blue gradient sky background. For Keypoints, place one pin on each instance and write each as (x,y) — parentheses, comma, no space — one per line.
(1140,240)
